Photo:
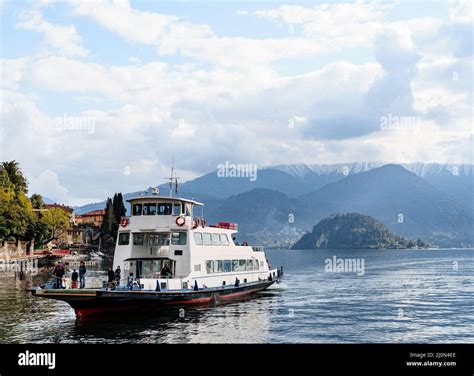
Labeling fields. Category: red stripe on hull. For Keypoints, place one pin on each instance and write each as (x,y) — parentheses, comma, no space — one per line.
(237,294)
(83,312)
(190,301)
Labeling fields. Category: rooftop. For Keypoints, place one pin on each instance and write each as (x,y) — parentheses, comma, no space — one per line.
(163,199)
(91,213)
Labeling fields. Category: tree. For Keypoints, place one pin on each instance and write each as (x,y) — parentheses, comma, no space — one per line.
(109,218)
(119,212)
(37,201)
(58,222)
(38,231)
(16,211)
(119,207)
(108,226)
(15,176)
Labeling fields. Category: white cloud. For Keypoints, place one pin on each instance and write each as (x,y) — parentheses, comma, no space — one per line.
(48,184)
(239,107)
(172,35)
(64,39)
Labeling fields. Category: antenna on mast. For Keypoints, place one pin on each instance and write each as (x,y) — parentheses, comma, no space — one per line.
(173,180)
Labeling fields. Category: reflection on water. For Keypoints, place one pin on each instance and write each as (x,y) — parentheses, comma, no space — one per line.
(404,296)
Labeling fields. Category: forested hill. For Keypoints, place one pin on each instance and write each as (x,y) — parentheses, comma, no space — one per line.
(353,230)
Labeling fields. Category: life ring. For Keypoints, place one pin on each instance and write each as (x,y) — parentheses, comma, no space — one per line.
(124,222)
(195,223)
(203,222)
(180,221)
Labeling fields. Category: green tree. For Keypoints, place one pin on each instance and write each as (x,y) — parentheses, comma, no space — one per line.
(58,222)
(16,211)
(119,212)
(15,176)
(109,219)
(119,207)
(108,226)
(37,201)
(38,231)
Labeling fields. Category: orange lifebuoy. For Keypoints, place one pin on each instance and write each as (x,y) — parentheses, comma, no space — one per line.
(180,221)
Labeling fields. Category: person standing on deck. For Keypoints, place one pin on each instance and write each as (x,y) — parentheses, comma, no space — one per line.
(118,273)
(74,278)
(58,274)
(82,275)
(165,271)
(111,277)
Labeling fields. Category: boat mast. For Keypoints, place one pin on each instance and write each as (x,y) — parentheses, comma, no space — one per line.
(173,181)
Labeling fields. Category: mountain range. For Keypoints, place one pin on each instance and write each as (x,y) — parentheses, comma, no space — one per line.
(429,201)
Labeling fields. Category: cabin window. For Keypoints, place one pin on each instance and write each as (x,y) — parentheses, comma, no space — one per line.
(249,265)
(197,267)
(242,265)
(124,238)
(206,238)
(137,209)
(153,240)
(209,267)
(159,239)
(224,239)
(164,209)
(188,209)
(149,209)
(255,264)
(138,239)
(178,238)
(198,238)
(176,209)
(235,265)
(150,268)
(218,266)
(178,252)
(216,240)
(227,266)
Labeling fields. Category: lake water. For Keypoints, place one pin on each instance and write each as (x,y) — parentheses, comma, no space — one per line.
(403,296)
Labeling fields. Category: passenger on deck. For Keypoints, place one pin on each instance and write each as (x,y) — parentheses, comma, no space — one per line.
(74,278)
(58,274)
(165,271)
(82,275)
(111,276)
(118,273)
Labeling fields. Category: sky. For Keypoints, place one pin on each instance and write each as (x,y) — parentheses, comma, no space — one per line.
(98,96)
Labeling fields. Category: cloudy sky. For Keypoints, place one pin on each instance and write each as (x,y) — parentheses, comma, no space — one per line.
(98,96)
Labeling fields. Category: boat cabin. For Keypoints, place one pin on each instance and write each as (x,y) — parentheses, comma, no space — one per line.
(166,244)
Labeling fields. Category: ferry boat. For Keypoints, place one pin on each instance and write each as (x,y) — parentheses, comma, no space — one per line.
(170,256)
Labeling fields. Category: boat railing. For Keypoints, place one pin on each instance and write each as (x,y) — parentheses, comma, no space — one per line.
(258,248)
